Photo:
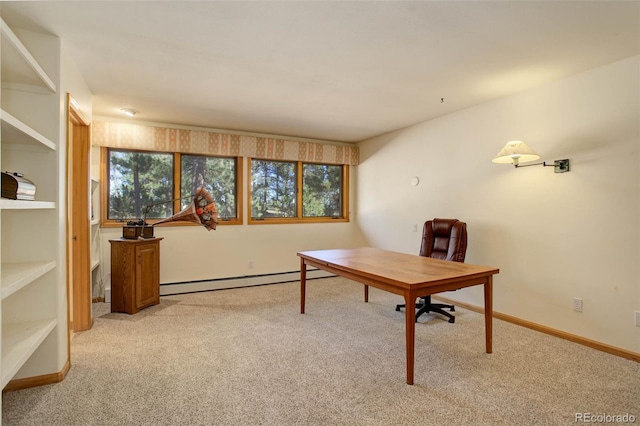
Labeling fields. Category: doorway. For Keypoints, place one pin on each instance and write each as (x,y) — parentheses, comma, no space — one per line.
(78,218)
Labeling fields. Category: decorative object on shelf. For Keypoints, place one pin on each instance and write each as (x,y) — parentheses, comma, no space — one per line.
(516,152)
(16,187)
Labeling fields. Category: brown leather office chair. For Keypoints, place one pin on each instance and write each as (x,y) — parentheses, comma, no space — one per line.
(444,239)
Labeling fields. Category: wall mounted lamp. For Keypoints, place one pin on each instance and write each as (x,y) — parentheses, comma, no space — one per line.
(516,152)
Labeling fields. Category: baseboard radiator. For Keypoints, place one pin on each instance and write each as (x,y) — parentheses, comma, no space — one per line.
(235,282)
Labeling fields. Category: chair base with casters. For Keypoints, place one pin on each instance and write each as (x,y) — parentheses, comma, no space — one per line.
(444,239)
(426,306)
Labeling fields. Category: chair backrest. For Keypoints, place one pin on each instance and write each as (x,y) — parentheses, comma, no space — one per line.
(444,239)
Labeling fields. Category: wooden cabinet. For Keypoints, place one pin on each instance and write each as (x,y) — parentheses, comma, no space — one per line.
(135,274)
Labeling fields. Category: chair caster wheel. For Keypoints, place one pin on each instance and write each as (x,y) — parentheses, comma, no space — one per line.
(453,309)
(452,320)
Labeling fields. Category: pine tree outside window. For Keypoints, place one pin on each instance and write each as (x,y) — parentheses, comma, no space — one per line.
(166,182)
(138,179)
(294,192)
(217,175)
(322,190)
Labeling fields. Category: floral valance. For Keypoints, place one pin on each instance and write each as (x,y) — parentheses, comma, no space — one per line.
(151,138)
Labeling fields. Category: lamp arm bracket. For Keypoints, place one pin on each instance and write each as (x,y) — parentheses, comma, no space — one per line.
(560,166)
(543,164)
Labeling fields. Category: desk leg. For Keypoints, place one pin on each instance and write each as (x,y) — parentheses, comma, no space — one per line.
(303,283)
(488,312)
(410,326)
(366,293)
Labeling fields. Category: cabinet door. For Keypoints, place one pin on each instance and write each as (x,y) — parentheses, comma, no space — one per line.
(147,275)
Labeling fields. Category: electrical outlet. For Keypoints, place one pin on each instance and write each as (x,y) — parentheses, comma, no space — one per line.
(638,318)
(415,227)
(250,264)
(577,304)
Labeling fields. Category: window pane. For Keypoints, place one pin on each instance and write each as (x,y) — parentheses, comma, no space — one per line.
(273,189)
(322,190)
(219,177)
(136,180)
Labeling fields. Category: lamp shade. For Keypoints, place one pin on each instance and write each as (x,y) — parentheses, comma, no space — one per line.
(515,152)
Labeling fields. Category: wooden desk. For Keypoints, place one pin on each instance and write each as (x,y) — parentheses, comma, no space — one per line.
(407,275)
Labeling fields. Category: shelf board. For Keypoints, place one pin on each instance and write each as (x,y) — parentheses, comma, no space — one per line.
(15,131)
(18,275)
(19,68)
(95,222)
(94,264)
(19,342)
(6,204)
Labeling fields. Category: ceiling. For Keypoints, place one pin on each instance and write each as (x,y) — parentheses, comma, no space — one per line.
(340,71)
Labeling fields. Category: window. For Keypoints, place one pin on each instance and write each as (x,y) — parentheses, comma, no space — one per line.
(164,183)
(136,180)
(273,189)
(321,190)
(219,177)
(290,191)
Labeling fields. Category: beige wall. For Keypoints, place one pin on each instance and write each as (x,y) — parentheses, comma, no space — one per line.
(553,236)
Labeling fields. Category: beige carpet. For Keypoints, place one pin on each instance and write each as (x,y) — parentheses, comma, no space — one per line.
(247,356)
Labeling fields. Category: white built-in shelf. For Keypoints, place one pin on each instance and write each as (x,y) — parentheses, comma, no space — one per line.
(30,100)
(94,185)
(94,264)
(15,131)
(19,342)
(6,204)
(20,70)
(18,275)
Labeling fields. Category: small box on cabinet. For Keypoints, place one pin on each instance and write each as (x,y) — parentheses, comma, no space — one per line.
(133,232)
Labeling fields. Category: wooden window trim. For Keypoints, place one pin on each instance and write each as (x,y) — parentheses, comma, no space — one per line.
(239,185)
(300,218)
(111,223)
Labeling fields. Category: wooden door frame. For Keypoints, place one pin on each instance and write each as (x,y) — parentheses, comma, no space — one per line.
(78,222)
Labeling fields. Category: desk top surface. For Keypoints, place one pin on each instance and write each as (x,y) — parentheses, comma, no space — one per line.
(396,267)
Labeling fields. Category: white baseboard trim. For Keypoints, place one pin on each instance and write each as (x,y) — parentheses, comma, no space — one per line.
(235,282)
